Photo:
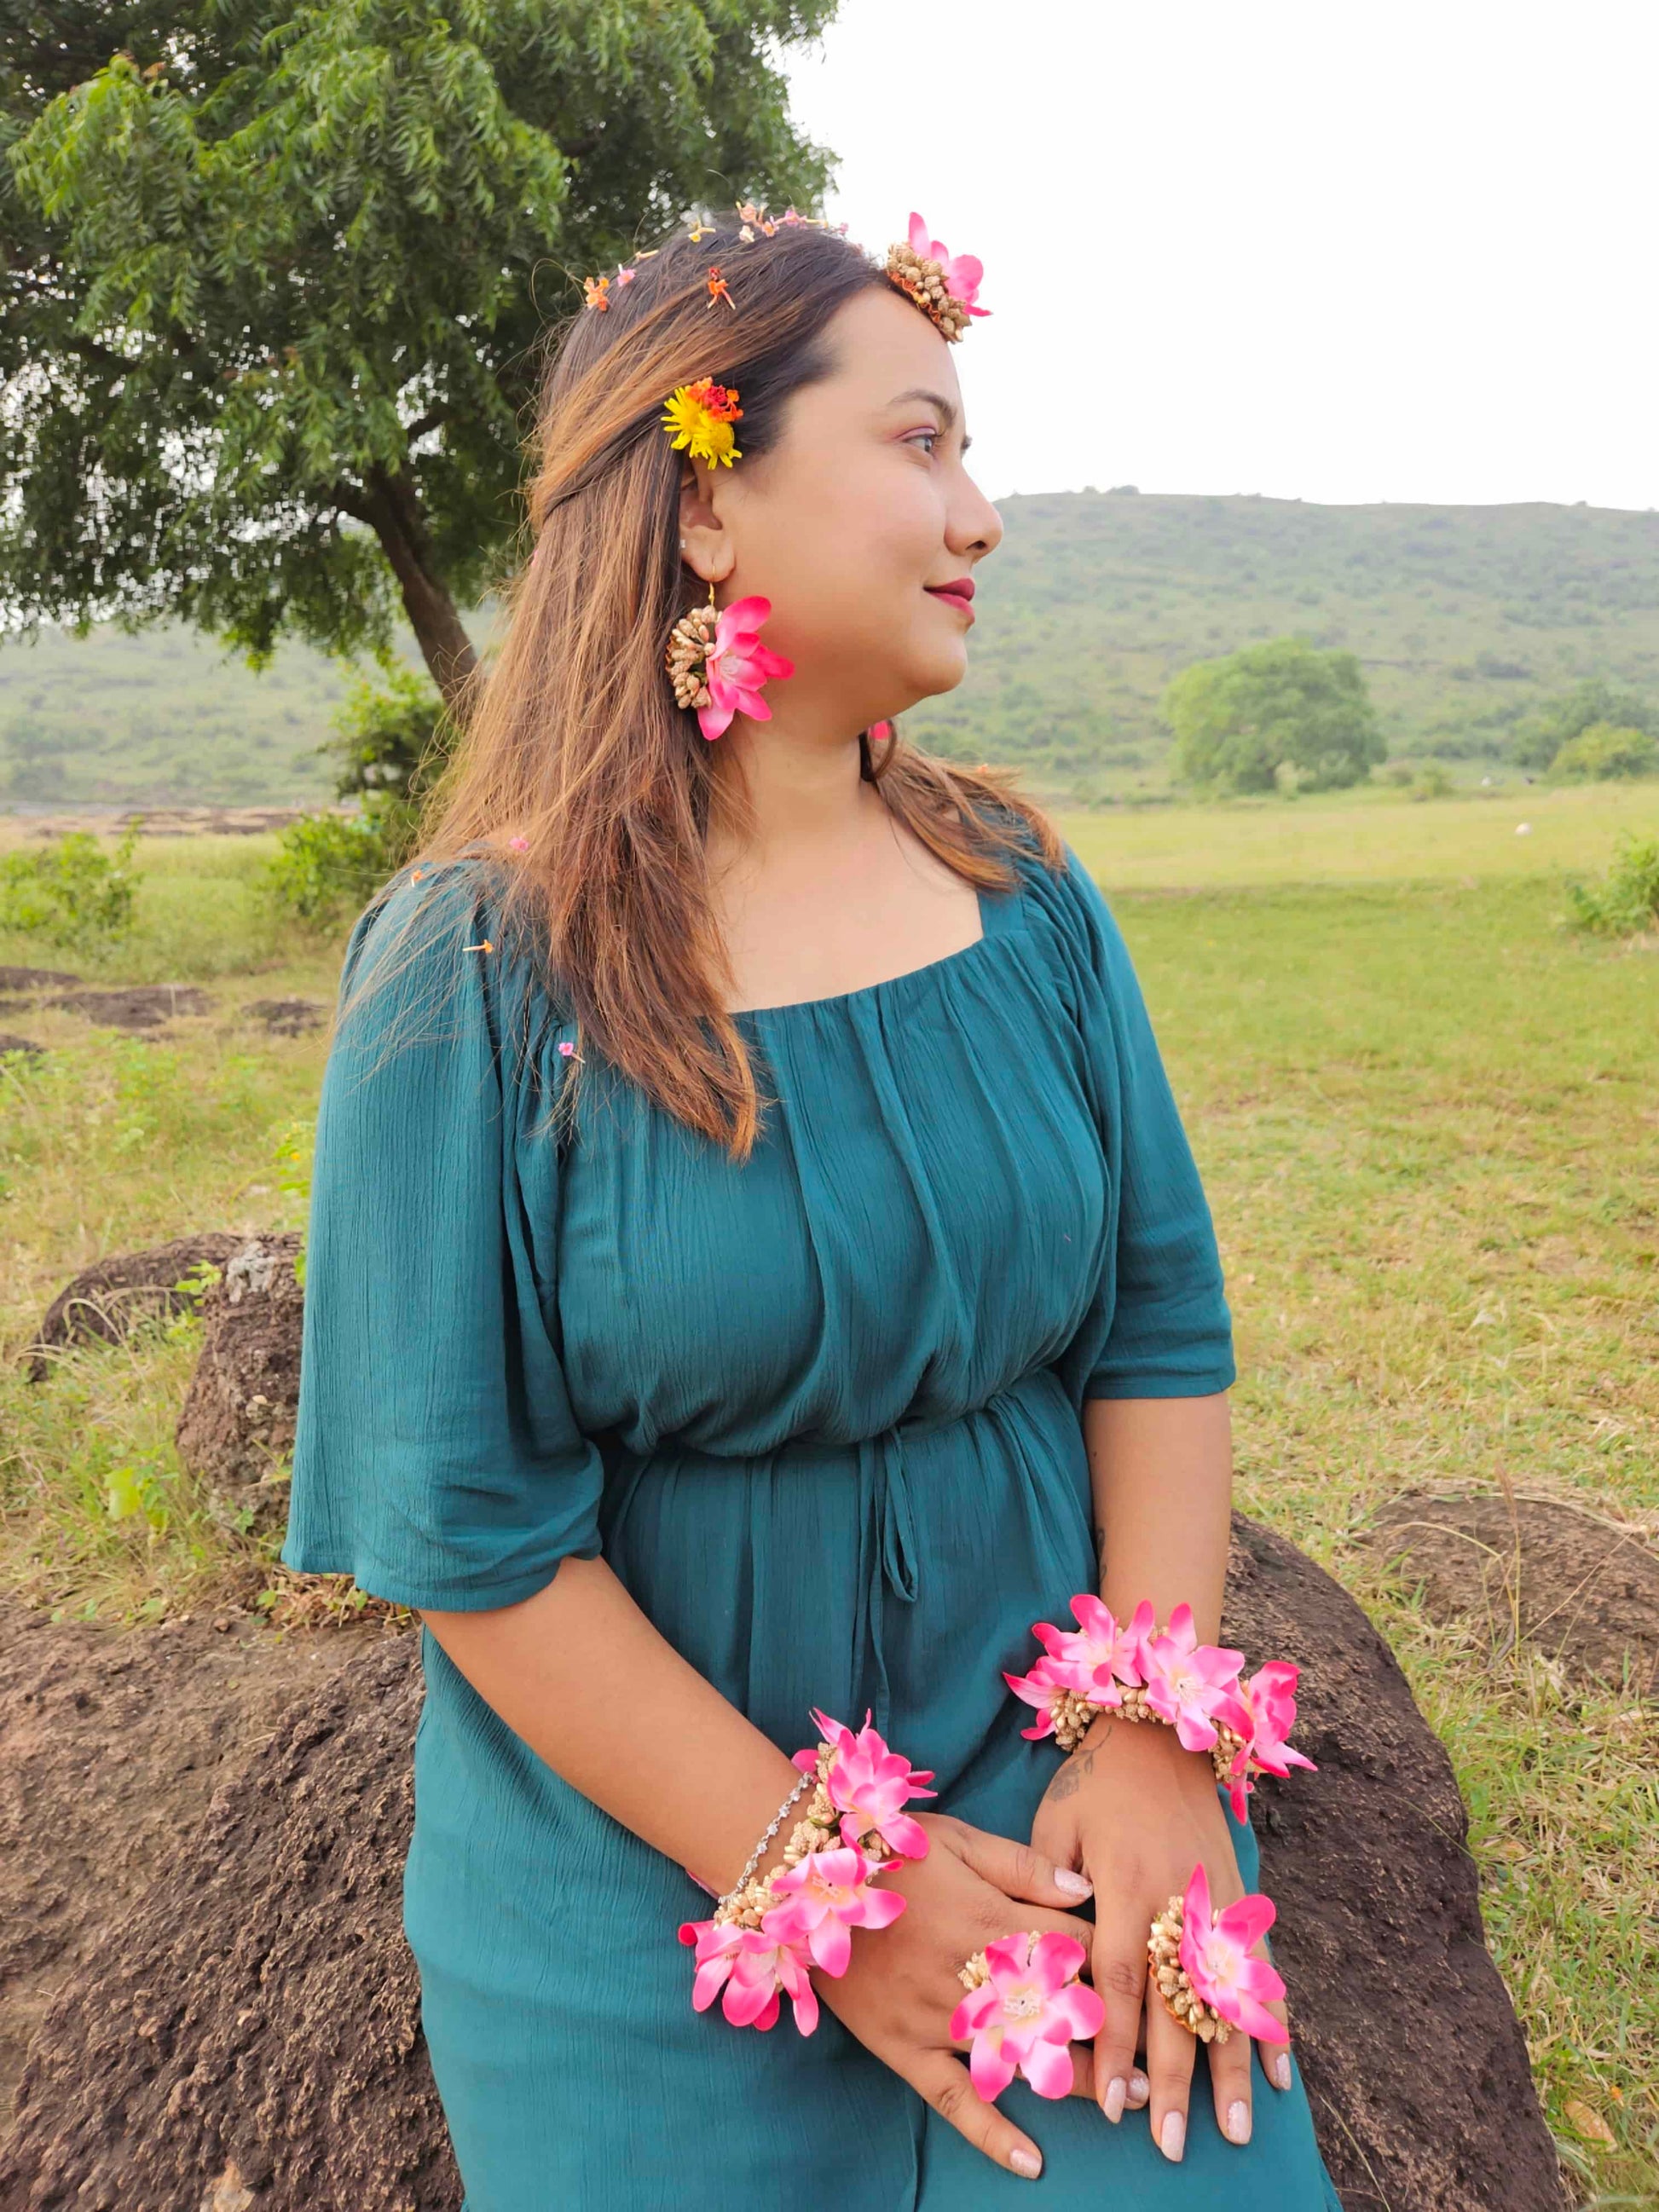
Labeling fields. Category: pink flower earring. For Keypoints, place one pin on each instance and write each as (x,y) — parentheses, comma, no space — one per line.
(717,664)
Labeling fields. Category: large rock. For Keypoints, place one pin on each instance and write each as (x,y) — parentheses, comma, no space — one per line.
(237,1422)
(1415,2064)
(103,1301)
(248,2036)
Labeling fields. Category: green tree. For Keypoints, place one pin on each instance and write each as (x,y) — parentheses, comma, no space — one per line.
(1540,738)
(1602,752)
(275,273)
(1236,719)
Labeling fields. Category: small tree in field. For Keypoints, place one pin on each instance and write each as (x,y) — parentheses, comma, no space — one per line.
(274,275)
(1239,719)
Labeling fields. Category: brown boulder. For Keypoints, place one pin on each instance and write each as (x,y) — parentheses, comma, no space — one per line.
(253,2027)
(249,2034)
(237,1423)
(104,1301)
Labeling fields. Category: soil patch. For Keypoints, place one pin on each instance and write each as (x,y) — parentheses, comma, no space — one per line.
(288,1016)
(1581,1589)
(111,1743)
(34,979)
(10,1043)
(136,1006)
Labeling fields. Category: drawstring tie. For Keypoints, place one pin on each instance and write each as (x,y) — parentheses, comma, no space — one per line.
(887,1553)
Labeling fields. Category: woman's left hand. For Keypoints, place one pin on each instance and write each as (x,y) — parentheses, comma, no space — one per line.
(1135,1811)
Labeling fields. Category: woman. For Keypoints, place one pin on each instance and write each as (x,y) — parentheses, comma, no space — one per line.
(756,1267)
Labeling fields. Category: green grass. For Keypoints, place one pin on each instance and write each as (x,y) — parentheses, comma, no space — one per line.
(1427,1118)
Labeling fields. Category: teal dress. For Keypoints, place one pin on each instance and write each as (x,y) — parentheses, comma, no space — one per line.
(821,1414)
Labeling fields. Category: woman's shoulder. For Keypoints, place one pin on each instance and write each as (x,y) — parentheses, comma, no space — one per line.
(435,951)
(1060,900)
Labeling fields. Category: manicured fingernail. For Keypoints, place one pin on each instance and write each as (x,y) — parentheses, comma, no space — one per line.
(1281,2068)
(1140,2087)
(1026,2162)
(1112,2103)
(1238,2120)
(1074,1885)
(1173,2134)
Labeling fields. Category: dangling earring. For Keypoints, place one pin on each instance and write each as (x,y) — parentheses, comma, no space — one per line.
(717,664)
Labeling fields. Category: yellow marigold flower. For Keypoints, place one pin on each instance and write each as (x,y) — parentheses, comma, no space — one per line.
(701,417)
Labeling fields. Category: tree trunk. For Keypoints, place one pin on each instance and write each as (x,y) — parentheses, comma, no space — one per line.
(391,508)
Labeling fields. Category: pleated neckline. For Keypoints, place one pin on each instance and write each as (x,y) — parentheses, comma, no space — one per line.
(996,913)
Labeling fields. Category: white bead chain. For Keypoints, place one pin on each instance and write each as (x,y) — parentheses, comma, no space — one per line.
(759,1851)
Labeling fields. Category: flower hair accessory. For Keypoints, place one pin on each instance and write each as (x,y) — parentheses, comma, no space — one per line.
(764,1936)
(1024,2006)
(699,418)
(1142,1674)
(943,285)
(1202,1968)
(717,664)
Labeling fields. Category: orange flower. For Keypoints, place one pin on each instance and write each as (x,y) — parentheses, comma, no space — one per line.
(718,290)
(596,289)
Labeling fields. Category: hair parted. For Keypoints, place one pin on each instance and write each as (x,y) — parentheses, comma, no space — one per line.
(573,745)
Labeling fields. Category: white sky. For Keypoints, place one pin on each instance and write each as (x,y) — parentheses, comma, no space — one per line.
(1323,249)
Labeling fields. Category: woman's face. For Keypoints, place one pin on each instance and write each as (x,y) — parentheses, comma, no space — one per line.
(855,522)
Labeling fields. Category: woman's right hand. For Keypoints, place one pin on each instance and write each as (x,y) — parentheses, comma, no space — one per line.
(901,1986)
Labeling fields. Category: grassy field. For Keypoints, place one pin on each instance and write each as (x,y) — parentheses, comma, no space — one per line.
(1429,1124)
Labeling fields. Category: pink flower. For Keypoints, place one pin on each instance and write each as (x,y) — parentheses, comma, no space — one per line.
(518,844)
(1263,1712)
(1215,1954)
(752,1965)
(1098,1657)
(826,1893)
(963,272)
(869,1784)
(1037,1689)
(1025,2017)
(1187,1681)
(737,665)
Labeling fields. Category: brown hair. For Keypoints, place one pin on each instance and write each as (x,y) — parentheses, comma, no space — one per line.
(572,740)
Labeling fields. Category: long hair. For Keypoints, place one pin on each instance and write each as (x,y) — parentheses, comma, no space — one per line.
(573,742)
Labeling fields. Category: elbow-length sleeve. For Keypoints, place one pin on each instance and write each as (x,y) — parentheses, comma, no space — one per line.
(437,1459)
(1158,1325)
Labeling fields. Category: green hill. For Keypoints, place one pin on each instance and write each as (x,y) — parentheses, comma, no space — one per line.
(1465,619)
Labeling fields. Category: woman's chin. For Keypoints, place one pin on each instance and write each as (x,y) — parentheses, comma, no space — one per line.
(937,671)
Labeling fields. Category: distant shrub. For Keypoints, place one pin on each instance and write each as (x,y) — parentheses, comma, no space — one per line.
(1603,752)
(391,736)
(1239,719)
(328,867)
(1626,900)
(392,740)
(1432,782)
(1539,737)
(73,892)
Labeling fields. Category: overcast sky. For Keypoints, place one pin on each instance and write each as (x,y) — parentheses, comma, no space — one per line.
(1320,249)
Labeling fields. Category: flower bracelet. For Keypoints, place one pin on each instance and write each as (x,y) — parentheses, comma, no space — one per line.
(1199,1959)
(763,1936)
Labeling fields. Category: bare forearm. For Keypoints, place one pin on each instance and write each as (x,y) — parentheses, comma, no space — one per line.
(1161,1472)
(581,1675)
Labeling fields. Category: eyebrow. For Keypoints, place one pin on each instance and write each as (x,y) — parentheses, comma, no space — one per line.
(947,411)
